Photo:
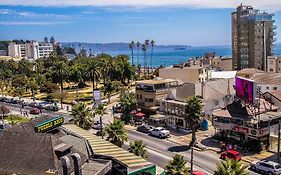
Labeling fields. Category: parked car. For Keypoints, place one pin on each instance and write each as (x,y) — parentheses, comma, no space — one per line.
(34,111)
(231,154)
(266,167)
(145,128)
(160,132)
(3,99)
(97,125)
(198,173)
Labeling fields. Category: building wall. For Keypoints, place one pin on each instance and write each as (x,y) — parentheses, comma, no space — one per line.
(222,63)
(184,74)
(274,64)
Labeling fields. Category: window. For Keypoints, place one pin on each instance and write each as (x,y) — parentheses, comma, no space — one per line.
(274,88)
(267,87)
(148,100)
(271,70)
(271,62)
(137,96)
(140,96)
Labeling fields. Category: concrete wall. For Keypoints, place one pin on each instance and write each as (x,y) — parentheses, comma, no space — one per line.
(184,74)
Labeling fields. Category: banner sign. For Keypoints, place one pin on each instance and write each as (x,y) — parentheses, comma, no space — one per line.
(246,89)
(49,124)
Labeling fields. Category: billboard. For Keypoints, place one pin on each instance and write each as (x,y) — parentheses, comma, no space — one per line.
(246,89)
(97,97)
(49,124)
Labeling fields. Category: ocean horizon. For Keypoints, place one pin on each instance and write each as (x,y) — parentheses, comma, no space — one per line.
(170,56)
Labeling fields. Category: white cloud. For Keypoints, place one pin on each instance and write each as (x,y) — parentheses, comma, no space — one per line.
(28,14)
(29,23)
(264,4)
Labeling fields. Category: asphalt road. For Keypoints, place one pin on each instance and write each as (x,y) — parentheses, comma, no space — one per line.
(160,151)
(15,109)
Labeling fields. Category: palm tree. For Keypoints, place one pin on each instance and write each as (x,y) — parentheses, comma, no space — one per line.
(143,47)
(138,148)
(128,103)
(61,71)
(152,46)
(193,115)
(138,46)
(146,42)
(177,166)
(93,72)
(109,87)
(117,134)
(33,87)
(132,45)
(82,116)
(231,167)
(101,111)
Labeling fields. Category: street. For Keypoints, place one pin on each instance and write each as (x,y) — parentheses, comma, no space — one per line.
(159,151)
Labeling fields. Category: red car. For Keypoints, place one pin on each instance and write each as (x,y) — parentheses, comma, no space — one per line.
(231,154)
(198,173)
(34,111)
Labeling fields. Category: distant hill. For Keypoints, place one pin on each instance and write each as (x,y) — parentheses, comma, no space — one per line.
(109,47)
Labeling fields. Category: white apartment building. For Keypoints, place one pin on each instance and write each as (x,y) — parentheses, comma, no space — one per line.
(274,64)
(30,51)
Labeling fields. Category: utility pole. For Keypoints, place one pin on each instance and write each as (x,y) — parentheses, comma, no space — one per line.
(278,146)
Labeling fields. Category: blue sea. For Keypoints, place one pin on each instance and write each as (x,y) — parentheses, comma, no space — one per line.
(170,56)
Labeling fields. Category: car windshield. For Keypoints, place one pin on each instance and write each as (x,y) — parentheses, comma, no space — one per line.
(277,166)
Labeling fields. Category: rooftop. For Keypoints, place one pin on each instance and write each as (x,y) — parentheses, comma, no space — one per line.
(267,78)
(249,71)
(156,81)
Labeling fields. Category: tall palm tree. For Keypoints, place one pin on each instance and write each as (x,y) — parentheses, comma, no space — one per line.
(177,166)
(82,116)
(231,167)
(61,71)
(33,87)
(138,46)
(117,134)
(138,148)
(146,42)
(193,110)
(132,45)
(101,111)
(109,87)
(127,103)
(93,72)
(144,47)
(152,42)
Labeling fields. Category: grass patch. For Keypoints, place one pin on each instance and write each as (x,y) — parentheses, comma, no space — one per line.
(14,119)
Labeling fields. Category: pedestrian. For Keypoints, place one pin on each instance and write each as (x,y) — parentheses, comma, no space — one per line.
(40,110)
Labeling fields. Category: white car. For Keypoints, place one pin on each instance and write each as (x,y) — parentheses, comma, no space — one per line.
(266,167)
(160,132)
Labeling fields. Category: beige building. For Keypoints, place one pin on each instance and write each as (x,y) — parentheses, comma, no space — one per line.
(221,63)
(274,64)
(194,73)
(150,92)
(248,72)
(214,94)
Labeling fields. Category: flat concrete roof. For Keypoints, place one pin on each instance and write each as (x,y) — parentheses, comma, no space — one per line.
(155,81)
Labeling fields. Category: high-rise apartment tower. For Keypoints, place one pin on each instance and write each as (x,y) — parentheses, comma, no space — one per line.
(253,37)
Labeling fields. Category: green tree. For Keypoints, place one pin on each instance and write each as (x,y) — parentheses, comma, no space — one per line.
(128,103)
(152,42)
(192,116)
(109,87)
(61,71)
(52,40)
(101,111)
(46,39)
(131,46)
(146,42)
(32,85)
(231,167)
(117,134)
(144,47)
(82,116)
(138,148)
(177,166)
(138,46)
(76,73)
(93,72)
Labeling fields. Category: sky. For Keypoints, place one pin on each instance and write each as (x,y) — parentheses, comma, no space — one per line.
(189,22)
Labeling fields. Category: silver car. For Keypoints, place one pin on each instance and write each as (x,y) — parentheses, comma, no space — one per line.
(266,167)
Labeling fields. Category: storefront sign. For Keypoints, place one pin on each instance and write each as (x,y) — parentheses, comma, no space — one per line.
(240,129)
(49,124)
